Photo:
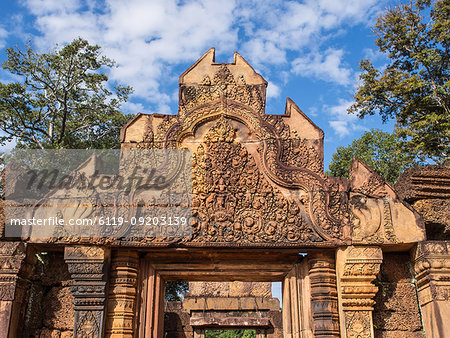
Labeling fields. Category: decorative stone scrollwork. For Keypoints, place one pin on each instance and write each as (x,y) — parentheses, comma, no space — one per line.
(87,266)
(232,200)
(357,269)
(376,213)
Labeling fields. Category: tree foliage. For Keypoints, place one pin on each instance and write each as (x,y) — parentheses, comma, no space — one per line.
(62,99)
(380,150)
(414,87)
(174,290)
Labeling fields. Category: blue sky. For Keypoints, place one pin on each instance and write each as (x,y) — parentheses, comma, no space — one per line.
(307,50)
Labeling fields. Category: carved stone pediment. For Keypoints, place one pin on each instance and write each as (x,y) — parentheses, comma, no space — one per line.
(257,179)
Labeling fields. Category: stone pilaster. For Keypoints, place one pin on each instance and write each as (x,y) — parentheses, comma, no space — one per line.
(15,268)
(357,268)
(87,266)
(297,318)
(121,309)
(324,299)
(151,293)
(432,269)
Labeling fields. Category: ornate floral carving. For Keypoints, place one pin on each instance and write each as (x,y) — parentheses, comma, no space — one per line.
(359,267)
(89,324)
(87,268)
(222,86)
(358,324)
(233,202)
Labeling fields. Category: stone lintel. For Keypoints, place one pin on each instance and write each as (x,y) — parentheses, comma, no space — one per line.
(230,303)
(247,322)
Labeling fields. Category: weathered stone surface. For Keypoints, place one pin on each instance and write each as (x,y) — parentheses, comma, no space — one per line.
(87,267)
(424,182)
(211,289)
(398,334)
(58,312)
(230,303)
(436,215)
(56,270)
(259,198)
(122,301)
(428,190)
(49,333)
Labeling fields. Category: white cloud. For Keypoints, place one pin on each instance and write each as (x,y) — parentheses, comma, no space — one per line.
(328,66)
(43,7)
(340,121)
(147,38)
(3,36)
(273,90)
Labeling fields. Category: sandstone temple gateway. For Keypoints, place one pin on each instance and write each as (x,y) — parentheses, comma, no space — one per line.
(356,257)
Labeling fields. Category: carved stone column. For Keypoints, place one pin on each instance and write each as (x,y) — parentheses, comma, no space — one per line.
(432,268)
(87,266)
(15,268)
(121,309)
(357,267)
(324,299)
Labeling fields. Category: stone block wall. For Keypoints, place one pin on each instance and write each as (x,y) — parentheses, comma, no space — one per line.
(49,303)
(396,313)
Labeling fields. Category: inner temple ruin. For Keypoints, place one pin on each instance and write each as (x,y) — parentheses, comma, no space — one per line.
(356,257)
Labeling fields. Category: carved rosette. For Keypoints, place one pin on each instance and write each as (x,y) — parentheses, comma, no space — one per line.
(87,266)
(432,269)
(358,268)
(121,307)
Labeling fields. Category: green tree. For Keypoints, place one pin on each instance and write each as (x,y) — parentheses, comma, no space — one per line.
(62,99)
(414,86)
(380,150)
(174,290)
